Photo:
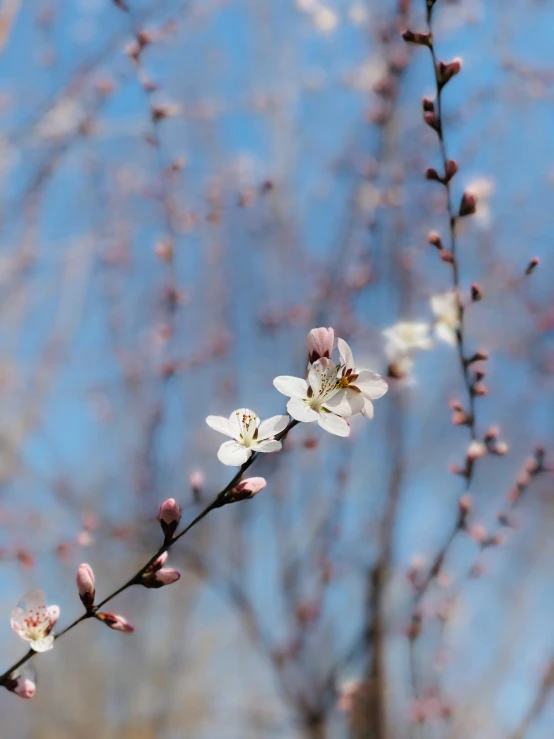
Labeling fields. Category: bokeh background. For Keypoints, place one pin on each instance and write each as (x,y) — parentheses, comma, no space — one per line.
(176,213)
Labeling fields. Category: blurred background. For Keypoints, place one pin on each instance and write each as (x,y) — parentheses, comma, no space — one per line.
(187,189)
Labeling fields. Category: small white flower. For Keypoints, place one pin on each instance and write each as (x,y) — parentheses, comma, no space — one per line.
(317,399)
(482,188)
(248,435)
(446,308)
(368,384)
(401,340)
(35,621)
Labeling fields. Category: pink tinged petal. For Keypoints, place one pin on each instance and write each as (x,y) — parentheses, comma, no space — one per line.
(301,411)
(170,512)
(232,453)
(116,622)
(33,600)
(346,356)
(17,621)
(371,385)
(249,487)
(268,445)
(42,645)
(368,408)
(346,403)
(53,613)
(159,563)
(294,387)
(334,424)
(223,425)
(272,426)
(85,580)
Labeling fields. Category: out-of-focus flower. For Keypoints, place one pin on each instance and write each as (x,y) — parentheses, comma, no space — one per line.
(85,585)
(169,517)
(367,383)
(349,692)
(156,576)
(248,435)
(317,399)
(33,621)
(22,683)
(320,343)
(482,188)
(402,340)
(116,622)
(248,488)
(325,19)
(446,308)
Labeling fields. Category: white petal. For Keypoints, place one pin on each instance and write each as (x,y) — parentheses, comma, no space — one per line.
(334,424)
(17,619)
(346,356)
(346,403)
(294,387)
(53,613)
(371,385)
(445,333)
(233,453)
(247,422)
(322,374)
(368,408)
(301,411)
(223,425)
(34,599)
(272,426)
(268,445)
(42,645)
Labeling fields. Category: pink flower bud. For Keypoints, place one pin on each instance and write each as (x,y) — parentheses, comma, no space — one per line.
(156,577)
(450,169)
(533,264)
(196,481)
(22,685)
(435,240)
(320,343)
(445,71)
(428,105)
(116,622)
(468,206)
(447,256)
(431,120)
(248,488)
(85,585)
(169,517)
(476,292)
(167,576)
(432,174)
(421,39)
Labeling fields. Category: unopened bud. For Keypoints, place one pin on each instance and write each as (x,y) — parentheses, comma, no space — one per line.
(445,71)
(435,240)
(320,342)
(465,505)
(500,448)
(450,169)
(479,356)
(22,685)
(428,105)
(431,120)
(156,575)
(468,206)
(169,517)
(432,174)
(116,622)
(476,292)
(85,585)
(248,488)
(533,264)
(422,39)
(447,256)
(476,450)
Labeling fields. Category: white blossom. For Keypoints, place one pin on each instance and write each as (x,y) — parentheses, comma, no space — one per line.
(446,308)
(367,383)
(248,435)
(35,621)
(402,340)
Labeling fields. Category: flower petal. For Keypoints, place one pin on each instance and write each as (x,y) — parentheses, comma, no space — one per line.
(268,445)
(223,425)
(346,356)
(294,387)
(445,333)
(371,385)
(346,403)
(233,453)
(334,424)
(301,411)
(53,614)
(17,620)
(42,645)
(33,600)
(368,408)
(272,426)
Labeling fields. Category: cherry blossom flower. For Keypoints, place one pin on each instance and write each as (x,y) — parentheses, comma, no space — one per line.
(367,383)
(248,435)
(446,308)
(402,340)
(322,398)
(35,621)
